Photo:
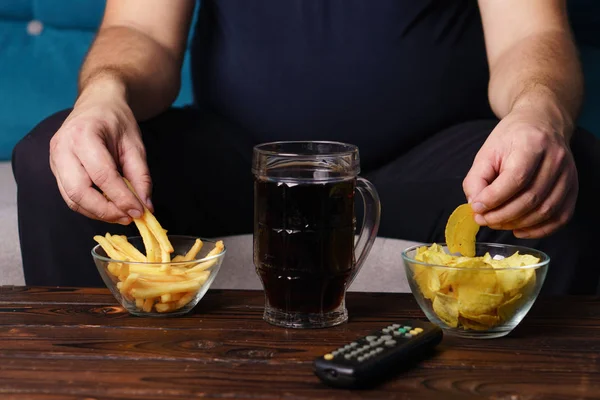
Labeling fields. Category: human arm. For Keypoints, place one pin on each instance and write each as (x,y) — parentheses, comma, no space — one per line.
(524,177)
(131,72)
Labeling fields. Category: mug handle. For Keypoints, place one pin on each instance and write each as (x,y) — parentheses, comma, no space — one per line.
(372,216)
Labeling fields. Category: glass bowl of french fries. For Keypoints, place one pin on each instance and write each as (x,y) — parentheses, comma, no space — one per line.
(481,296)
(149,286)
(156,274)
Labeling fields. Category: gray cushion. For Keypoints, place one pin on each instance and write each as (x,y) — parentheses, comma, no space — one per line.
(383,271)
(11,270)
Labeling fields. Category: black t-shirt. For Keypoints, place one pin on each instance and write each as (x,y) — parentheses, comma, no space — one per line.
(382,74)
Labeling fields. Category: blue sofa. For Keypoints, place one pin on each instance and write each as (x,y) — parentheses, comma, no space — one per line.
(42,44)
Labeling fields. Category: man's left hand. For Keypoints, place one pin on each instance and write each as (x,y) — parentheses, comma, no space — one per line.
(524,177)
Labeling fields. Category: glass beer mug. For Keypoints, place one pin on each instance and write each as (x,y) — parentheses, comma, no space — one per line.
(305,251)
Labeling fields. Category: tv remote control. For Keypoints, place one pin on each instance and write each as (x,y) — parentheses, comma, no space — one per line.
(372,358)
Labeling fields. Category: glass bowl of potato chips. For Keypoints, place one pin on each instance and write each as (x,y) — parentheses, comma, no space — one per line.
(157,276)
(482,296)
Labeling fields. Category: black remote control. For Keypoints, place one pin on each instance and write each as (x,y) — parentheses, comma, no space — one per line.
(372,358)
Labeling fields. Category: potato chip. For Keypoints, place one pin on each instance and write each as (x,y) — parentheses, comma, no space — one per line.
(461,230)
(473,301)
(511,281)
(428,281)
(446,308)
(486,320)
(507,309)
(468,323)
(482,280)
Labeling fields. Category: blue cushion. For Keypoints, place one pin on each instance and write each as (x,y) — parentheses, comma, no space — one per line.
(40,72)
(16,9)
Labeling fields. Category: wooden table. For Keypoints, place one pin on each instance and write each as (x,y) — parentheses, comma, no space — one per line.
(78,343)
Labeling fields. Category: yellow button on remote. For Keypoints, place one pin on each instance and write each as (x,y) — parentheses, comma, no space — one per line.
(414,332)
(418,330)
(328,356)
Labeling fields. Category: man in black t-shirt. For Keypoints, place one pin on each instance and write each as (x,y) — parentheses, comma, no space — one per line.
(448,101)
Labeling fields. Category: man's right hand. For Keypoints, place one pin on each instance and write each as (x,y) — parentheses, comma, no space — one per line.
(98,143)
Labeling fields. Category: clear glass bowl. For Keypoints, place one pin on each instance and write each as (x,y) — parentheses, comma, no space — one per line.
(167,289)
(476,301)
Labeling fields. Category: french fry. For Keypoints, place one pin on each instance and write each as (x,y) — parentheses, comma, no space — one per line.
(169,297)
(110,250)
(150,242)
(157,231)
(148,303)
(166,258)
(128,283)
(219,247)
(146,283)
(165,307)
(123,271)
(148,270)
(203,266)
(114,268)
(199,275)
(162,278)
(185,299)
(121,244)
(139,303)
(152,223)
(193,252)
(191,285)
(178,258)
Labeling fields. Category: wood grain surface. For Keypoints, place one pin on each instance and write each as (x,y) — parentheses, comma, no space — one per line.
(69,343)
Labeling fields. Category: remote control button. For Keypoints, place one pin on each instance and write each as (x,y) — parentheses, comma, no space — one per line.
(365,347)
(378,350)
(385,337)
(371,338)
(408,328)
(390,342)
(361,359)
(419,330)
(347,356)
(353,344)
(408,335)
(395,326)
(396,334)
(385,330)
(402,330)
(335,353)
(372,353)
(328,356)
(414,332)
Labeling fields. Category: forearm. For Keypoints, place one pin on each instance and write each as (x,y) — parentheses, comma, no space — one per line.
(148,72)
(541,71)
